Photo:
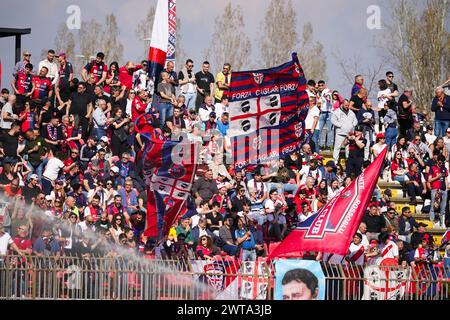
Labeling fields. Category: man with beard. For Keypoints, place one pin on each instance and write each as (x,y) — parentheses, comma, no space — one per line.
(205,187)
(80,106)
(205,84)
(53,134)
(31,190)
(97,68)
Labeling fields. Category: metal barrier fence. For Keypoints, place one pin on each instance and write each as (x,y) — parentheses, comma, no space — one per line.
(66,278)
(374,282)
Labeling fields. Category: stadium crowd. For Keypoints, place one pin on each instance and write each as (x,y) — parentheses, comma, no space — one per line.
(72,164)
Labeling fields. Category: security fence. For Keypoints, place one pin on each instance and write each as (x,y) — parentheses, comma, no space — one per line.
(118,278)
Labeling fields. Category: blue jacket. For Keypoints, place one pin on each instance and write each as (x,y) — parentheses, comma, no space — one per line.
(402,225)
(445,113)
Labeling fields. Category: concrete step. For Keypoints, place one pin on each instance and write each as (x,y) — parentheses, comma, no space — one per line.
(404,200)
(389,185)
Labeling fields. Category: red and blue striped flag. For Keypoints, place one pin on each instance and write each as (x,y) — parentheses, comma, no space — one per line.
(267,112)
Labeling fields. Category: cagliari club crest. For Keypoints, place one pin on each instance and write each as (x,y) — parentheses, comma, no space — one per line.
(177,171)
(258,77)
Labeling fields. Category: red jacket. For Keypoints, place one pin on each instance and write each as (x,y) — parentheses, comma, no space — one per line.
(126,77)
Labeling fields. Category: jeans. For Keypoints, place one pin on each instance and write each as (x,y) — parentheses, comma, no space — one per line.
(315,139)
(414,191)
(368,135)
(165,112)
(97,133)
(190,100)
(38,169)
(46,186)
(325,122)
(284,187)
(442,207)
(400,179)
(440,127)
(248,255)
(391,136)
(230,249)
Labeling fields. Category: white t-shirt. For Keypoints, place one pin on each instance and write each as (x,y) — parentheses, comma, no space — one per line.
(258,186)
(6,108)
(309,121)
(269,205)
(390,250)
(357,249)
(52,169)
(204,112)
(431,137)
(5,240)
(220,108)
(377,148)
(382,101)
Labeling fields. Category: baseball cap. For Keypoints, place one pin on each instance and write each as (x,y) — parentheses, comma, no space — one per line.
(104,139)
(115,169)
(448,129)
(380,136)
(212,114)
(359,128)
(421,224)
(330,163)
(34,176)
(430,127)
(48,197)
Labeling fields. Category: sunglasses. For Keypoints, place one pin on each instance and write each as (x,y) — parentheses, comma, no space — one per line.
(27,54)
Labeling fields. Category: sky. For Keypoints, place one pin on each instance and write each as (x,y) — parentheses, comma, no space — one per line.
(340,25)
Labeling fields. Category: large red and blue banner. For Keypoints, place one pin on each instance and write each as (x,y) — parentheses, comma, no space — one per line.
(169,170)
(267,111)
(332,228)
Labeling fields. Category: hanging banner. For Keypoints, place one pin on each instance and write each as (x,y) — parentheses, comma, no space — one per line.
(334,225)
(172,30)
(299,280)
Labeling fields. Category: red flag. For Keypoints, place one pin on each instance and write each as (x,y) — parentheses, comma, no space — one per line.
(169,169)
(332,228)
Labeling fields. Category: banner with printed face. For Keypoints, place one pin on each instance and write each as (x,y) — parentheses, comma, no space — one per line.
(297,279)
